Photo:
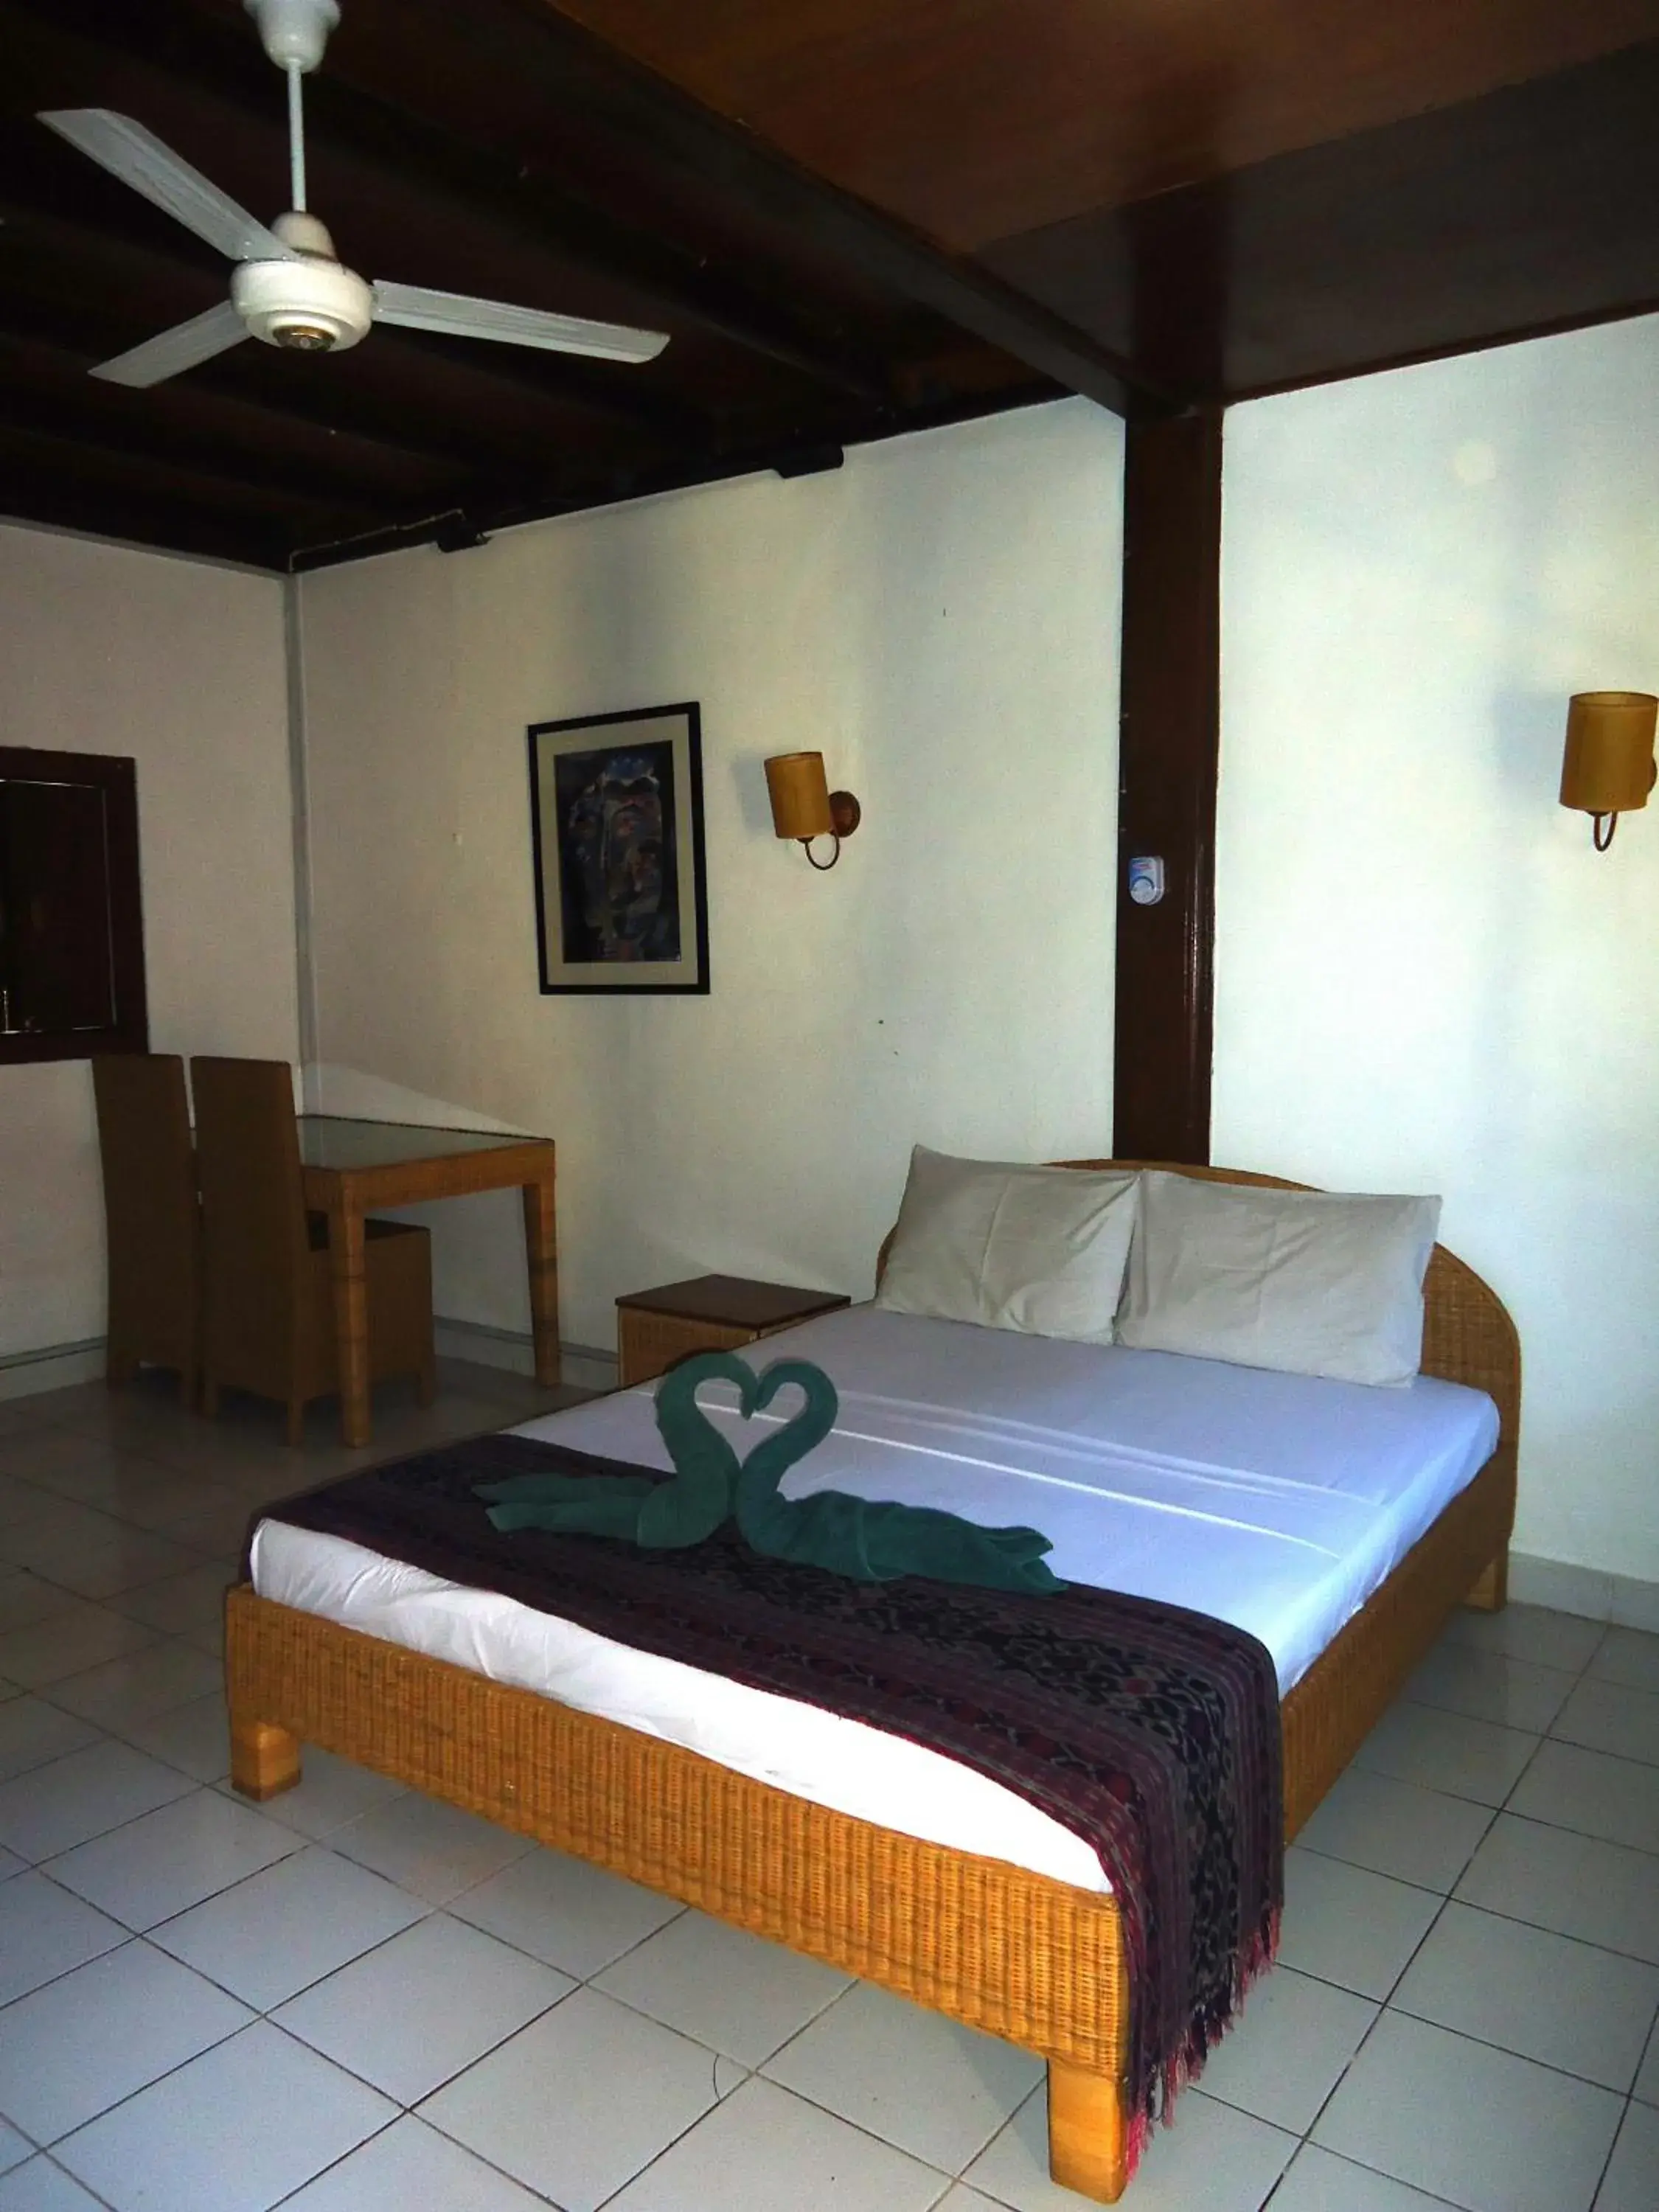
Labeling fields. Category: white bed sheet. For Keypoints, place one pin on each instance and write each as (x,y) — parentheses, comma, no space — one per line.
(1277,1502)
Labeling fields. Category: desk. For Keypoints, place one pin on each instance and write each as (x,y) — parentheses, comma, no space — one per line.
(351,1167)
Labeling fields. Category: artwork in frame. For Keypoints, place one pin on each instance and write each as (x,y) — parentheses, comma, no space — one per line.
(616,812)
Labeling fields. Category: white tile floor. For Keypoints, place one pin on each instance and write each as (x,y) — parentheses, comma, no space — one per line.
(354,2000)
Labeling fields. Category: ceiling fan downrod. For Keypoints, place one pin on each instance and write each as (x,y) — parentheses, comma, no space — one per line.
(296,142)
(294,34)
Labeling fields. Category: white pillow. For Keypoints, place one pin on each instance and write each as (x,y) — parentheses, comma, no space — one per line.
(1307,1281)
(1038,1249)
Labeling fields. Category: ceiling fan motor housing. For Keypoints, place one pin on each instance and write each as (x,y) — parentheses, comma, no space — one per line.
(310,305)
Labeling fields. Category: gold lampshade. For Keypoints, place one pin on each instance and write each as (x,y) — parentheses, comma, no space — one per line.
(1608,767)
(801,795)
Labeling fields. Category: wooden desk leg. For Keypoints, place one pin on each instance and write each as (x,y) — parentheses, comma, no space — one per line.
(350,1272)
(541,1245)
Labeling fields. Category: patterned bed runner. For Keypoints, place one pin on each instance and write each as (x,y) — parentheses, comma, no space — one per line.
(1152,1732)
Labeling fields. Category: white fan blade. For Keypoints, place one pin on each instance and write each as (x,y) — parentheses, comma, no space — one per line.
(172,351)
(138,158)
(418,309)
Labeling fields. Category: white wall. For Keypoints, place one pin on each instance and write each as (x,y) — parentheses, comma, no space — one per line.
(181,666)
(940,617)
(1426,978)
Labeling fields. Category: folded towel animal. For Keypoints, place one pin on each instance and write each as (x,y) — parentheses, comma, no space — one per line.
(868,1542)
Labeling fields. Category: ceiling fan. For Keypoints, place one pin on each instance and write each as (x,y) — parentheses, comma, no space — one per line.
(289,287)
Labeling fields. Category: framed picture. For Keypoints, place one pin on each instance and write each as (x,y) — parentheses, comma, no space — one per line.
(616,815)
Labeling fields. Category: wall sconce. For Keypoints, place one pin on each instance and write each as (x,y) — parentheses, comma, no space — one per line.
(804,806)
(1607,768)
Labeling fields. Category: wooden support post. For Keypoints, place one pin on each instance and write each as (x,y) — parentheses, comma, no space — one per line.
(1088,2141)
(1168,751)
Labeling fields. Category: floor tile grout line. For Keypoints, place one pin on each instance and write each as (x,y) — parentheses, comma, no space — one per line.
(1561,1935)
(167,2074)
(265,2012)
(1556,1827)
(1619,2129)
(854,1982)
(334,2164)
(403,2105)
(1462,1712)
(639,2013)
(1519,1919)
(807,2097)
(128,1935)
(1346,2158)
(408,2113)
(1539,1819)
(43,1868)
(116,1825)
(755,2075)
(587,1981)
(58,2166)
(1491,1811)
(1370,2031)
(750,2072)
(1486,2043)
(164,1637)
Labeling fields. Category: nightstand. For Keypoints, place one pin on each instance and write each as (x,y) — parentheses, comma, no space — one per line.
(710,1313)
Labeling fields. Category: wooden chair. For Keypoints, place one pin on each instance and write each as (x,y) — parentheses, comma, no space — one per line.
(151,1216)
(268,1293)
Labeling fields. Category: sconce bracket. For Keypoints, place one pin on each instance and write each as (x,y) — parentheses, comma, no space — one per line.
(845,813)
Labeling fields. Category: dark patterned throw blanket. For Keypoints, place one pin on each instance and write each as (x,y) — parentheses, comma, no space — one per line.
(1151,1732)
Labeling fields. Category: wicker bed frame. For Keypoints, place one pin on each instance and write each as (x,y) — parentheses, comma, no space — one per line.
(1018,1954)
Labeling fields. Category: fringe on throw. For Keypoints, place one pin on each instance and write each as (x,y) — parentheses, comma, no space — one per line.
(1205,2032)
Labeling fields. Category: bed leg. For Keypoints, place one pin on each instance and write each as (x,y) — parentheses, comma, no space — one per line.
(1087,2139)
(1491,1593)
(264,1760)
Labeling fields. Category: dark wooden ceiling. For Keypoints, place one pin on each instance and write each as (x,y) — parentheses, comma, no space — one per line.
(853,216)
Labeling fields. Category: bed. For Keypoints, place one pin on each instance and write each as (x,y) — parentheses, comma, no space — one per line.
(1029,1952)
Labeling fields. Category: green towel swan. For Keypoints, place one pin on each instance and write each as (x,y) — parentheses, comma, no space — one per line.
(868,1542)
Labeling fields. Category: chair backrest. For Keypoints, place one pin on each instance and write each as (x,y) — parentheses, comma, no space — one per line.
(254,1242)
(150,1203)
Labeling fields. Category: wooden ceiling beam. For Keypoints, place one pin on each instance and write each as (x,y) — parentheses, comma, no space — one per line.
(596,388)
(181,482)
(188,457)
(363,429)
(635,102)
(37,493)
(60,481)
(36,361)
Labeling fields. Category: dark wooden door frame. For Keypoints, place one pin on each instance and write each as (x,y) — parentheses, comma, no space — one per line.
(1169,759)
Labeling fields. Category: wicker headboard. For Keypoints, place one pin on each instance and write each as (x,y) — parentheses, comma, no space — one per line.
(1467,1335)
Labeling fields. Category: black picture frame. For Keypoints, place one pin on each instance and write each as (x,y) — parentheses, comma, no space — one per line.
(616,847)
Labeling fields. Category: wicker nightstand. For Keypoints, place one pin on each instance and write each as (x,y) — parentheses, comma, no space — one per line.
(710,1313)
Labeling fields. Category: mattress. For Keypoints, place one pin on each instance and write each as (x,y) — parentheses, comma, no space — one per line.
(1277,1502)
